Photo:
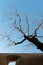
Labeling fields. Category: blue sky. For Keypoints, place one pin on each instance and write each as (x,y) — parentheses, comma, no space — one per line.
(33,8)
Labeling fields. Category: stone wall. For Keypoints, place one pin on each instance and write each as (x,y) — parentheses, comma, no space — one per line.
(21,59)
(30,61)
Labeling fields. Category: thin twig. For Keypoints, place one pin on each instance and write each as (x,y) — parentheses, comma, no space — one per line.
(37,29)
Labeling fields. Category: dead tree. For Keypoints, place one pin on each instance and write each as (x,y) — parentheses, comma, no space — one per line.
(31,38)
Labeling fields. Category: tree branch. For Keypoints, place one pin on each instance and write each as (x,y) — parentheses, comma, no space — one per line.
(26,20)
(36,42)
(37,29)
(20,41)
(19,29)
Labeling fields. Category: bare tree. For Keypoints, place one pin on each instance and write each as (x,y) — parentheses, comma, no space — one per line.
(31,38)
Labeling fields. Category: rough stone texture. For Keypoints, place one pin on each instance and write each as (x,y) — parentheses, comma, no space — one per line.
(30,61)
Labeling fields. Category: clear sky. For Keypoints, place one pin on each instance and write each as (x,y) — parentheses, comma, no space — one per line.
(33,8)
